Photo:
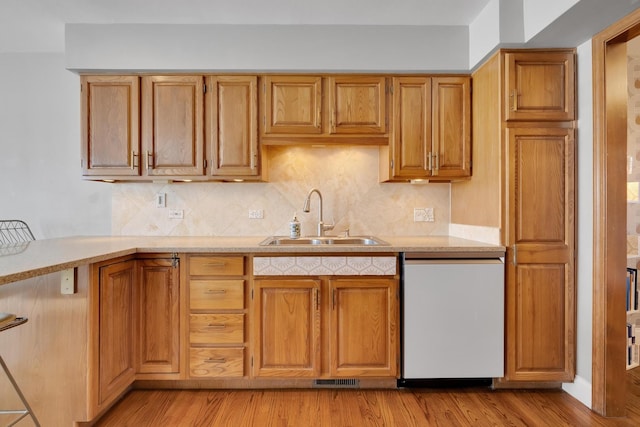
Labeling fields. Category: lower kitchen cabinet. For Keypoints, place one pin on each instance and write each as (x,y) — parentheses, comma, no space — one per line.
(217,316)
(325,327)
(364,327)
(286,326)
(157,300)
(134,325)
(112,320)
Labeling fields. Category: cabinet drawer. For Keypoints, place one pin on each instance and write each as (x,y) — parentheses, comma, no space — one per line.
(216,362)
(216,328)
(216,294)
(216,266)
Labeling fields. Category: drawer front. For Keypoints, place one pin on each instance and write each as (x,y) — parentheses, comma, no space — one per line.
(216,362)
(216,294)
(216,266)
(216,329)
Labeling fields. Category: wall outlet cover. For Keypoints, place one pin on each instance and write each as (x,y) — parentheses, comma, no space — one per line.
(176,214)
(256,213)
(423,215)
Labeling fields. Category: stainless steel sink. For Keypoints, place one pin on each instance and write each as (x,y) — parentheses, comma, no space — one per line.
(324,240)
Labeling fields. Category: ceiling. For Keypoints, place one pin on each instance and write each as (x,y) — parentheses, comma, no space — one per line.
(38,25)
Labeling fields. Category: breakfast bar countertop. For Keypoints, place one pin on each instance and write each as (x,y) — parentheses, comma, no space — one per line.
(40,257)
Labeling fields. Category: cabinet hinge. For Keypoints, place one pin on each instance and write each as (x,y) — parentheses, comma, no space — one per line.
(175,260)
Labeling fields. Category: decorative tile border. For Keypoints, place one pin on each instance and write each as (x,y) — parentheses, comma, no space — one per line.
(325,265)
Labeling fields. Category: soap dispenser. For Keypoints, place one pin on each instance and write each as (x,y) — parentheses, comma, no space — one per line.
(294,227)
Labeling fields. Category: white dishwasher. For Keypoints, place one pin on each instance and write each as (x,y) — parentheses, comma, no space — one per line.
(453,319)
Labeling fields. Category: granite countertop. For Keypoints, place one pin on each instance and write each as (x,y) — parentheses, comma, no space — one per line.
(50,255)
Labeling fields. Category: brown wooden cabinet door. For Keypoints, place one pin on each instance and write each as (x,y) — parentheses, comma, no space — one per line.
(286,328)
(292,105)
(540,240)
(232,125)
(158,317)
(539,86)
(451,126)
(411,138)
(110,108)
(364,327)
(357,104)
(116,369)
(172,125)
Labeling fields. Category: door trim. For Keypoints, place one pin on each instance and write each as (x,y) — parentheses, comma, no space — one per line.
(609,211)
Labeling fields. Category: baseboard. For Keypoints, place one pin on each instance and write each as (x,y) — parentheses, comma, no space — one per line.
(580,388)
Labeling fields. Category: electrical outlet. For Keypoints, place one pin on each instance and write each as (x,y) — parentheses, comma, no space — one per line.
(428,215)
(423,215)
(256,214)
(176,214)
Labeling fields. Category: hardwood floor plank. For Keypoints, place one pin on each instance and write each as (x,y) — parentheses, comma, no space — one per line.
(363,408)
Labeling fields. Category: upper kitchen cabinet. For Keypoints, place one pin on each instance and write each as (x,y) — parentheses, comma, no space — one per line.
(431,135)
(357,104)
(232,126)
(172,125)
(312,109)
(110,107)
(292,105)
(540,86)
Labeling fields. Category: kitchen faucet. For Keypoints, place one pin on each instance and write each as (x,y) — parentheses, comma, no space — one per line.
(322,227)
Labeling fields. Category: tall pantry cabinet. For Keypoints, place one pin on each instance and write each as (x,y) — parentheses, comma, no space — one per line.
(524,184)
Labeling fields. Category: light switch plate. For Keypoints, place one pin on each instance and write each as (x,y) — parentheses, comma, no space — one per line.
(161,200)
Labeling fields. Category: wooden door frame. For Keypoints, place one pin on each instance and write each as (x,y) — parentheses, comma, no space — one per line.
(609,211)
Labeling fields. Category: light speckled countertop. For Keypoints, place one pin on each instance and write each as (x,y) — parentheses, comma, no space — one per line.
(51,255)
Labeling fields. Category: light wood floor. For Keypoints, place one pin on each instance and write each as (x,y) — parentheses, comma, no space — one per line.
(360,408)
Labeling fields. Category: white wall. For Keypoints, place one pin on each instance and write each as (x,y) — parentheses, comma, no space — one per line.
(40,150)
(581,388)
(315,48)
(541,13)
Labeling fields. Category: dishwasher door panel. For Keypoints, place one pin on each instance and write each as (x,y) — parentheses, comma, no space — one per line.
(453,319)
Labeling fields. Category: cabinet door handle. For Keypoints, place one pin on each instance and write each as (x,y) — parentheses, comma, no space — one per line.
(215,291)
(430,161)
(215,361)
(134,156)
(215,264)
(149,163)
(216,326)
(514,100)
(436,166)
(515,255)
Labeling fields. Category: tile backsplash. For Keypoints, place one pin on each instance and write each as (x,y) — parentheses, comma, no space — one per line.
(347,177)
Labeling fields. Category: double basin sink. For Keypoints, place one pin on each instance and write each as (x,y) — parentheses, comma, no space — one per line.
(324,240)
